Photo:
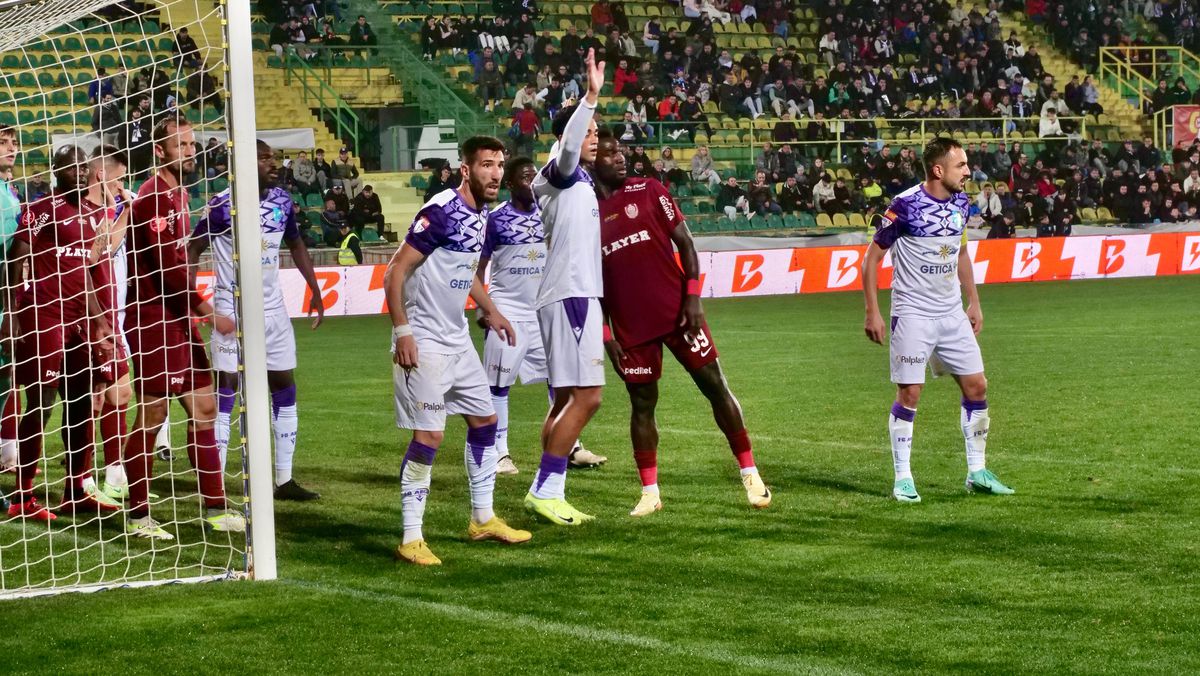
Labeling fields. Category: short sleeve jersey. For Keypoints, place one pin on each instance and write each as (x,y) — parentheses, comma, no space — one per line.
(516,245)
(643,285)
(109,273)
(277,223)
(924,235)
(60,236)
(161,289)
(572,220)
(449,233)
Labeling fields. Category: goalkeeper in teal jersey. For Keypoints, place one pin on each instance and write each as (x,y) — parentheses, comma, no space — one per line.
(10,210)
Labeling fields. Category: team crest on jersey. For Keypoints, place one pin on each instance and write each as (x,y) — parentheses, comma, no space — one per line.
(158,224)
(631,210)
(944,251)
(889,217)
(420,225)
(533,255)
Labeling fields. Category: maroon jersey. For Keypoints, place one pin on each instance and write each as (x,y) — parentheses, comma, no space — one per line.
(643,284)
(158,265)
(60,237)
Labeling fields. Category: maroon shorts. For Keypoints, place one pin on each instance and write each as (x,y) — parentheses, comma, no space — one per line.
(47,350)
(112,365)
(643,363)
(168,360)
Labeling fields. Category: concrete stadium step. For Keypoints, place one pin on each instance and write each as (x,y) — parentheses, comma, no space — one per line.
(400,201)
(1131,122)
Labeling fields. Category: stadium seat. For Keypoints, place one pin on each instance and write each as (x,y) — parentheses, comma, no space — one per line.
(1088,215)
(824,221)
(857,220)
(313,200)
(841,221)
(807,220)
(370,235)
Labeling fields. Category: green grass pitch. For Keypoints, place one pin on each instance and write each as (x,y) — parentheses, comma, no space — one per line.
(1090,568)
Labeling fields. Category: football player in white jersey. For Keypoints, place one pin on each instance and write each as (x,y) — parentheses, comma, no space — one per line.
(515,250)
(569,298)
(278,224)
(925,231)
(437,371)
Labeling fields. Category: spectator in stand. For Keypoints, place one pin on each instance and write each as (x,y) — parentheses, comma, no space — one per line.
(332,222)
(526,96)
(366,209)
(324,169)
(1048,126)
(280,37)
(624,77)
(491,86)
(361,34)
(443,178)
(517,67)
(346,173)
(670,168)
(527,126)
(304,175)
(99,87)
(731,198)
(768,163)
(601,16)
(187,54)
(990,208)
(338,194)
(823,194)
(1160,98)
(703,169)
(795,196)
(494,34)
(691,112)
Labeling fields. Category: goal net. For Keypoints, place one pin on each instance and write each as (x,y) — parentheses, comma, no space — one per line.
(119,123)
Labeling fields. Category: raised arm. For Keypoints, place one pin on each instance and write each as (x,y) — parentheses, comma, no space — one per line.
(577,127)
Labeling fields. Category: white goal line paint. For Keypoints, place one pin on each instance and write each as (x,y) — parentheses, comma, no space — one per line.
(107,586)
(581,632)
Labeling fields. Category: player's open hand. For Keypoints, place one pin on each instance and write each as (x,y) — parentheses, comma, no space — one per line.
(691,315)
(316,306)
(615,353)
(224,325)
(405,354)
(975,316)
(874,328)
(499,323)
(595,74)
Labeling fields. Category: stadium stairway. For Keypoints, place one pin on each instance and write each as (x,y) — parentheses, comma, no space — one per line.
(399,198)
(1129,121)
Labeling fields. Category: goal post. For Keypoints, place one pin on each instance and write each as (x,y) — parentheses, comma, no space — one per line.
(53,98)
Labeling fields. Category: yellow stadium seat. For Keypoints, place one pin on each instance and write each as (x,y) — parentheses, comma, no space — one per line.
(1087,215)
(1104,215)
(840,221)
(858,221)
(823,221)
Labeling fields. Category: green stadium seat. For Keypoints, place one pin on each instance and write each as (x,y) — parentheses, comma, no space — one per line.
(807,220)
(419,181)
(313,200)
(370,235)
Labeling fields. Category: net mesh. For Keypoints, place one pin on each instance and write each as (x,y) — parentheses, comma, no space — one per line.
(83,85)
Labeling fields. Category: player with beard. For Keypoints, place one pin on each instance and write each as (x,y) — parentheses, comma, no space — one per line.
(58,323)
(278,225)
(925,229)
(437,371)
(168,356)
(651,303)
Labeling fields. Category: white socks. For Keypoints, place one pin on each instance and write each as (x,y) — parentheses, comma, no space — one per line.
(114,475)
(900,430)
(551,478)
(163,440)
(285,424)
(414,488)
(8,453)
(975,423)
(480,456)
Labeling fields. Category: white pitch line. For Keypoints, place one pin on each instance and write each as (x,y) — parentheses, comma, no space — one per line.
(581,632)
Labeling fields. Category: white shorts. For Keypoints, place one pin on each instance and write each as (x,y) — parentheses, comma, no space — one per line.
(441,385)
(527,359)
(948,342)
(281,346)
(574,342)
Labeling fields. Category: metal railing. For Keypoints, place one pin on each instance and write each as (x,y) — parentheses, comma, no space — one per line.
(331,105)
(1134,72)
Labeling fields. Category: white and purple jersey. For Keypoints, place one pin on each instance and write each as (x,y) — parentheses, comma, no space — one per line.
(925,235)
(277,221)
(516,245)
(450,234)
(120,270)
(571,216)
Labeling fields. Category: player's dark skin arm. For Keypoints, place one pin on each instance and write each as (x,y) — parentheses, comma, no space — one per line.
(304,264)
(691,315)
